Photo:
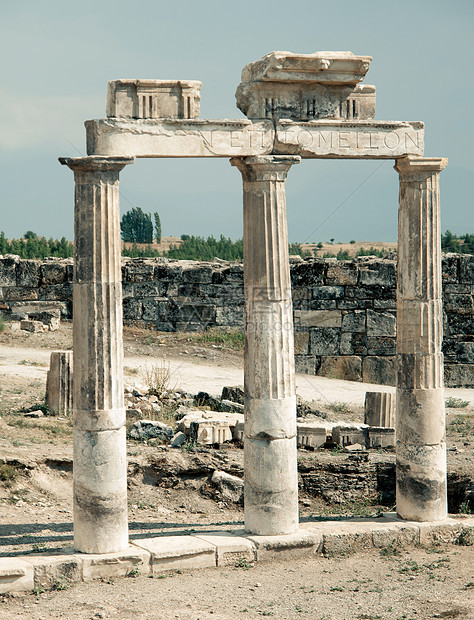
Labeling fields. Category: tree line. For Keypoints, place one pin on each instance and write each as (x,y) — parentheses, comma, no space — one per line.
(137,225)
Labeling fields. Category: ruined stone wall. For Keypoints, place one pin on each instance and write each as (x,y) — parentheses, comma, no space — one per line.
(344,311)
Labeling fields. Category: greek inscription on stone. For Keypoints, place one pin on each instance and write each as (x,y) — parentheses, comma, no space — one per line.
(361,140)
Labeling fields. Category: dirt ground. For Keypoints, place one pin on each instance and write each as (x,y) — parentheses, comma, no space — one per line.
(36,498)
(411,585)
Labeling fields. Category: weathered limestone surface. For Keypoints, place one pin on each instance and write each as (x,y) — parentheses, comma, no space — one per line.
(179,138)
(100,466)
(347,140)
(271,485)
(59,383)
(306,87)
(379,409)
(421,442)
(242,138)
(153,98)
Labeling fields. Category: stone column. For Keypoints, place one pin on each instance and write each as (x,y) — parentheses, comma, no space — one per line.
(271,482)
(100,464)
(420,418)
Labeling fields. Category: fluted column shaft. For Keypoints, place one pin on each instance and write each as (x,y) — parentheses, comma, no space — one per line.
(100,464)
(271,482)
(421,434)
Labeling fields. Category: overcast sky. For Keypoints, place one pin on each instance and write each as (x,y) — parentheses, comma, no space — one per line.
(57,58)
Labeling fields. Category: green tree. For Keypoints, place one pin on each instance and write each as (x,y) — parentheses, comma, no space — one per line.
(136,226)
(157,227)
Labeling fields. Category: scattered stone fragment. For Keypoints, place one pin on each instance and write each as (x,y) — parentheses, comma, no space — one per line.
(148,429)
(235,394)
(34,414)
(356,447)
(178,440)
(231,487)
(230,407)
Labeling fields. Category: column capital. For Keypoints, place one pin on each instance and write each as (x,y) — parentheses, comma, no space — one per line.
(96,163)
(265,167)
(412,164)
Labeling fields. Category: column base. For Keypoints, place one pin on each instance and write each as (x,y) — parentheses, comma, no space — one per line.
(421,482)
(100,491)
(271,486)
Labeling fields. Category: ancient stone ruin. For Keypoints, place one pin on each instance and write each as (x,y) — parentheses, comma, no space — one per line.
(298,106)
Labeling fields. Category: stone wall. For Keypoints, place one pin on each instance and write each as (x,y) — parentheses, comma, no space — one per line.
(344,311)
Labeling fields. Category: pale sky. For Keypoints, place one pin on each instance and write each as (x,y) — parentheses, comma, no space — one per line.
(57,58)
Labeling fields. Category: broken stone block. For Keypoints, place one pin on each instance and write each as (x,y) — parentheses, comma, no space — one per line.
(59,383)
(311,435)
(32,326)
(231,487)
(230,407)
(381,437)
(379,409)
(15,575)
(305,87)
(149,429)
(52,570)
(355,447)
(213,431)
(178,440)
(50,318)
(34,414)
(153,98)
(203,399)
(209,427)
(235,394)
(350,434)
(238,433)
(132,560)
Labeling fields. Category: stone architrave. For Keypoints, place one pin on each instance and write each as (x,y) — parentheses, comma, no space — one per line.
(420,418)
(100,464)
(271,482)
(179,138)
(350,140)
